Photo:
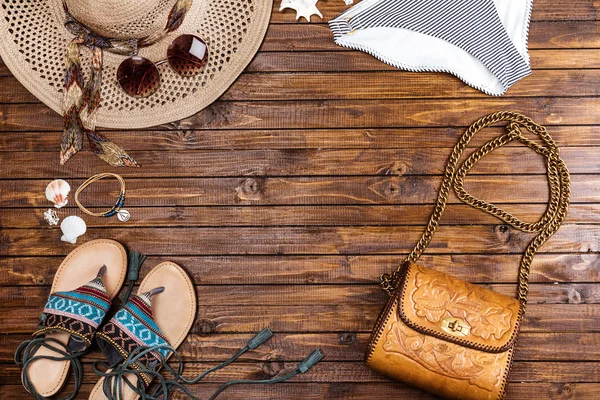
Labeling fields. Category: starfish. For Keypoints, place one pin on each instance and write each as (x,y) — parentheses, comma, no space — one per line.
(304,8)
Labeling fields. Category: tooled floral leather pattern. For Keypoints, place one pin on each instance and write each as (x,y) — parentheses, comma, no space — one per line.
(484,370)
(438,296)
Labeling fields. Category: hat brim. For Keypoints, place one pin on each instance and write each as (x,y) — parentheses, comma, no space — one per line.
(34,41)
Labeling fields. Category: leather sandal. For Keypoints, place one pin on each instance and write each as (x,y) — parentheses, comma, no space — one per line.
(82,291)
(144,333)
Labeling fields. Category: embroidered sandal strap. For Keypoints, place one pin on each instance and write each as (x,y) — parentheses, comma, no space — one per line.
(546,226)
(131,328)
(78,312)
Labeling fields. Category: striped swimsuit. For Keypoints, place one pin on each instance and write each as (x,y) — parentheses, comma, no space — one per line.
(483,42)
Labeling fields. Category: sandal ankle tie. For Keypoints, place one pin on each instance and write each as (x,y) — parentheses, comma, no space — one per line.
(24,356)
(116,375)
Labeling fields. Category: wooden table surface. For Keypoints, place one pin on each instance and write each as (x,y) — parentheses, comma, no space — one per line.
(315,173)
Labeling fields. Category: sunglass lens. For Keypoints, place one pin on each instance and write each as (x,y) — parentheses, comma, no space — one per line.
(188,55)
(138,76)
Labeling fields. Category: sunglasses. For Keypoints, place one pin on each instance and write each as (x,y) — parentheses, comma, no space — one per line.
(187,55)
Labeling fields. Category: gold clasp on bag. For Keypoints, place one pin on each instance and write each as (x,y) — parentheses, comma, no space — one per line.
(455,326)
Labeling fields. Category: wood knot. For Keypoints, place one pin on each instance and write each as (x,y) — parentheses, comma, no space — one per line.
(567,391)
(503,233)
(177,125)
(178,213)
(589,246)
(355,112)
(391,190)
(250,189)
(347,338)
(388,188)
(396,168)
(454,132)
(272,367)
(369,135)
(346,264)
(187,136)
(205,327)
(574,296)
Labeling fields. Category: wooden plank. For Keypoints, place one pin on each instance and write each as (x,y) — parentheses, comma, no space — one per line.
(340,113)
(385,85)
(319,295)
(351,372)
(509,189)
(240,139)
(350,391)
(215,270)
(542,10)
(372,85)
(497,239)
(338,61)
(567,34)
(353,317)
(542,35)
(344,346)
(297,162)
(385,215)
(384,113)
(341,61)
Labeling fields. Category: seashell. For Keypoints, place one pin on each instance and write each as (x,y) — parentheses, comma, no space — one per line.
(51,217)
(304,8)
(72,227)
(57,192)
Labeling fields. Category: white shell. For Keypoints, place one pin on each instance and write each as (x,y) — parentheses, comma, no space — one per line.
(72,227)
(51,217)
(57,192)
(304,8)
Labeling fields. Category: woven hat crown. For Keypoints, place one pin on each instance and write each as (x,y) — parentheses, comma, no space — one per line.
(122,19)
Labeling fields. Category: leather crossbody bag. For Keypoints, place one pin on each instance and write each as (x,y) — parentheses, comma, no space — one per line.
(447,336)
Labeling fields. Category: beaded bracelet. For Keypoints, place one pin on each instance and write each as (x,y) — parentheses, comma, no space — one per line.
(122,215)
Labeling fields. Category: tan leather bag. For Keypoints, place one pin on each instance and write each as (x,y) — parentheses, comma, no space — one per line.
(447,336)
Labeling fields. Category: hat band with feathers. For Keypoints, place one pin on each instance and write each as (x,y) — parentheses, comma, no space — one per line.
(82,99)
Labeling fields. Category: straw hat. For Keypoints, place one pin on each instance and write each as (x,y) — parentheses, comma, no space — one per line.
(34,41)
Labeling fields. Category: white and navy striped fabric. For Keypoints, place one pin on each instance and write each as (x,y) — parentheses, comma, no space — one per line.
(474,26)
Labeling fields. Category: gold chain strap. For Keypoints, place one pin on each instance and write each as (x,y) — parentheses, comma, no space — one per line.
(548,224)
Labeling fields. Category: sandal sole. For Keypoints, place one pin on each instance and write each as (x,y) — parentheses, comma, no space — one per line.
(78,268)
(174,311)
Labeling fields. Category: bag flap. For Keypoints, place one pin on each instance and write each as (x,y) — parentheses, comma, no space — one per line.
(448,308)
